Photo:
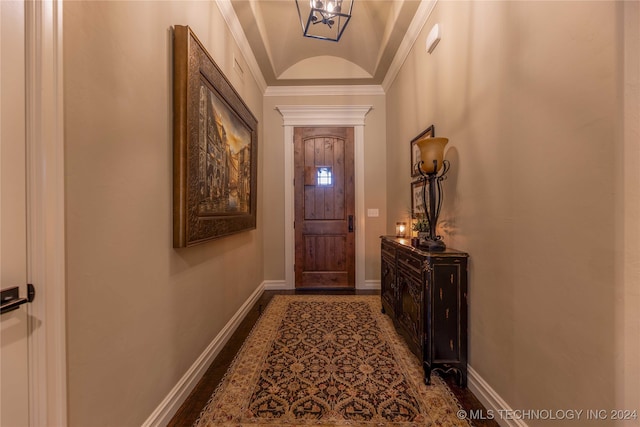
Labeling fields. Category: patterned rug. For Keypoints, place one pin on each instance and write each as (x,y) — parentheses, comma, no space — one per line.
(317,360)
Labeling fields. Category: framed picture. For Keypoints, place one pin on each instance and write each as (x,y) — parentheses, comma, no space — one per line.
(415,151)
(215,148)
(417,207)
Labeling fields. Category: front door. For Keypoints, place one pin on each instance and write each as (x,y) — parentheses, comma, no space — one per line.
(14,381)
(324,207)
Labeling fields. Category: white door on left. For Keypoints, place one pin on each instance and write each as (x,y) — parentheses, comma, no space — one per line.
(14,383)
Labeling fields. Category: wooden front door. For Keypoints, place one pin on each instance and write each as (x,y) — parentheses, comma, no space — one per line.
(324,207)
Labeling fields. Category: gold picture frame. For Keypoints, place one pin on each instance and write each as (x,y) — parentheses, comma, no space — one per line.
(215,148)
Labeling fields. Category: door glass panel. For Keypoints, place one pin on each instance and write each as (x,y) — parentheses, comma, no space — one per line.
(325,178)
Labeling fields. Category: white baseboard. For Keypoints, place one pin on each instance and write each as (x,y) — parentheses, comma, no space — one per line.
(369,284)
(276,285)
(491,400)
(176,397)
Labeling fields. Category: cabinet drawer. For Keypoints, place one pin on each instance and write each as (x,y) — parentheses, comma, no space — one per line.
(411,262)
(388,250)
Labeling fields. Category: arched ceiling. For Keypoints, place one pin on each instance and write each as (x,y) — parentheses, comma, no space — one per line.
(362,56)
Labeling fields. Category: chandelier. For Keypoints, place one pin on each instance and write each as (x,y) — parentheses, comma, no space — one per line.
(325,19)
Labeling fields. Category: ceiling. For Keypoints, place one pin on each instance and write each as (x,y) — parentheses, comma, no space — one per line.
(363,55)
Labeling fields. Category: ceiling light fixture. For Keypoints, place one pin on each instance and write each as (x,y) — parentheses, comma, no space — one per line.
(325,19)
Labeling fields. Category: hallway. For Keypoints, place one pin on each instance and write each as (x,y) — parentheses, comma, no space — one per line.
(540,102)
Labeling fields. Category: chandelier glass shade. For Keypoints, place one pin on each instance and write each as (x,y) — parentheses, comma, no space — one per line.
(324,19)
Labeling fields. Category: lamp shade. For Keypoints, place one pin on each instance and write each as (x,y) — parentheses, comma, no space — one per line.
(431,149)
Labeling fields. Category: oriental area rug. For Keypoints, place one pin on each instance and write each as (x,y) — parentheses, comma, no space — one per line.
(328,360)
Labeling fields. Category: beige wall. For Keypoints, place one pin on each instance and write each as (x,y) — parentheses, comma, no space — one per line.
(530,95)
(274,185)
(139,312)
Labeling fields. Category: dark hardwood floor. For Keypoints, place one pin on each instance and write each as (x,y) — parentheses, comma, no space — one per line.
(190,410)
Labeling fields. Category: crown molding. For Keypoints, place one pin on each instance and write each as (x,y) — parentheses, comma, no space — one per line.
(420,18)
(327,90)
(230,17)
(323,115)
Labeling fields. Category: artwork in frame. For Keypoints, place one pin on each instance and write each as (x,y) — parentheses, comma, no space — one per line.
(215,148)
(415,151)
(417,206)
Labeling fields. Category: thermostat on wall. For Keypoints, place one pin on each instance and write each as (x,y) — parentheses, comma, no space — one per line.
(433,38)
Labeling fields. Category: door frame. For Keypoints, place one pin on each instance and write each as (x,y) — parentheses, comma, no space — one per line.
(46,262)
(323,115)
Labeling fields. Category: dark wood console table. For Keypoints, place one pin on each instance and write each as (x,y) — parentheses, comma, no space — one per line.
(425,293)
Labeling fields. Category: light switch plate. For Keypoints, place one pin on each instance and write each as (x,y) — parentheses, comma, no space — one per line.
(373,213)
